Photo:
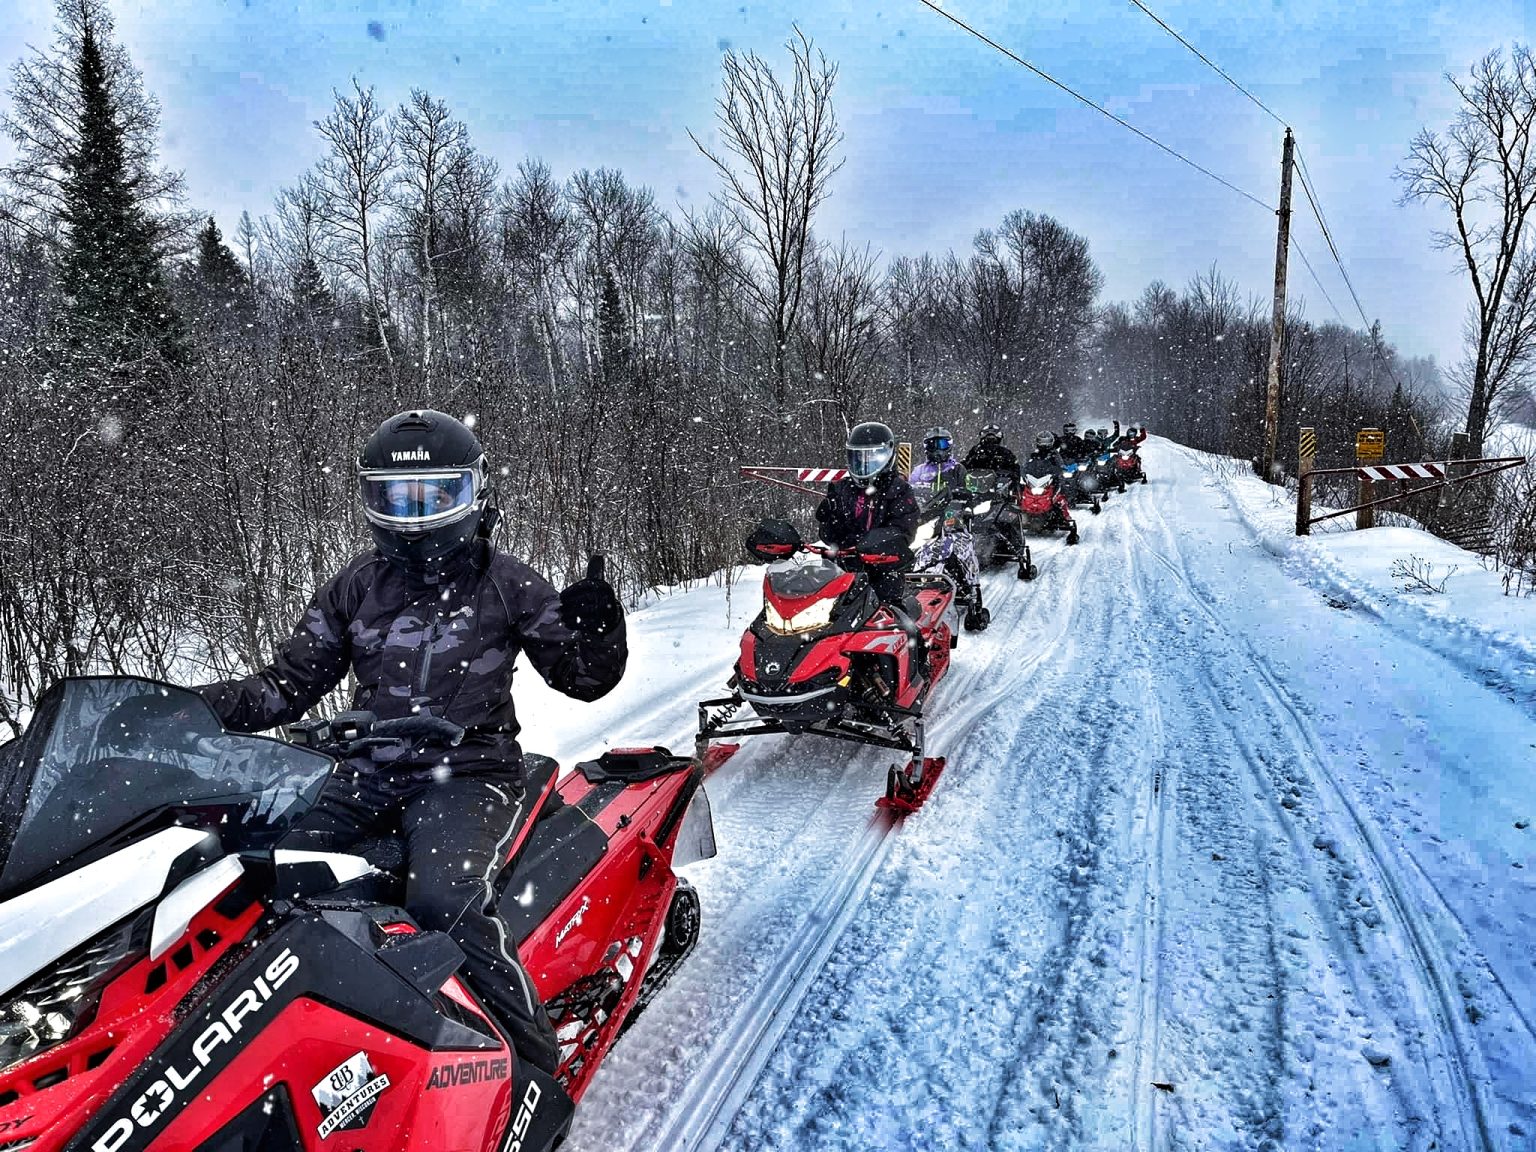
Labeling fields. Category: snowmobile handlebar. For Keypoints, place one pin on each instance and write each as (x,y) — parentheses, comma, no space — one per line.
(351,732)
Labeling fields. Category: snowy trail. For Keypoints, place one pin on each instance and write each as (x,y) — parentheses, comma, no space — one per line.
(1166,895)
(1446,1057)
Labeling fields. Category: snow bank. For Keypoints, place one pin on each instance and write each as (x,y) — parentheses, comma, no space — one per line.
(1422,587)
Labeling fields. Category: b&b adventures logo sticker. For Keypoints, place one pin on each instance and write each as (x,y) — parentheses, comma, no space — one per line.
(346,1097)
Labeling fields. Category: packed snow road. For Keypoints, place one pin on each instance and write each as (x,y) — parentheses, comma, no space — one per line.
(1215,864)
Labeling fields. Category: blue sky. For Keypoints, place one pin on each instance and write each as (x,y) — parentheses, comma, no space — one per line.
(944,135)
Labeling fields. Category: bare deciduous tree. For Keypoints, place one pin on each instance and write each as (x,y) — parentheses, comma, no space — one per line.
(1483,169)
(354,181)
(785,141)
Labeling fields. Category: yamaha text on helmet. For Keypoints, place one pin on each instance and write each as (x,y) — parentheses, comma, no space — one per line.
(871,449)
(423,486)
(937,443)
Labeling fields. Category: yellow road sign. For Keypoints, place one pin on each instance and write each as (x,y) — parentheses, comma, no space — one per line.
(1370,444)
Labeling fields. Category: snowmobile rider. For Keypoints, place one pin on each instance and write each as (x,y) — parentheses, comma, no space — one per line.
(991,455)
(1132,438)
(1071,446)
(1045,459)
(940,471)
(874,496)
(431,621)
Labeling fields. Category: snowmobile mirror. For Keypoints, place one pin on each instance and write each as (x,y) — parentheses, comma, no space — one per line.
(773,540)
(696,836)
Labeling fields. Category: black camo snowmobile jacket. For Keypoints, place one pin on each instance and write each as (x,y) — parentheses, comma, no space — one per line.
(994,457)
(450,646)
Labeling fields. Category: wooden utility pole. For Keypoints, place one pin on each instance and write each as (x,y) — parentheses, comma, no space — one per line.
(1277,322)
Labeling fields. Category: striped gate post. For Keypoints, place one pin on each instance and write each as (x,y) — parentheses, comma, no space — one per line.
(904,458)
(1306,457)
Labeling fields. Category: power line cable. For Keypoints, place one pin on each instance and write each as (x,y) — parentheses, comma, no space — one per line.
(1048,78)
(1316,280)
(1304,174)
(1211,64)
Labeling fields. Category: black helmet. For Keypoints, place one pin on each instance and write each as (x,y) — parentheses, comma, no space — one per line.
(422,480)
(871,449)
(1045,440)
(937,443)
(1069,429)
(990,432)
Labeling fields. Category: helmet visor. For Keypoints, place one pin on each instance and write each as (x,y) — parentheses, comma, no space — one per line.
(867,462)
(418,500)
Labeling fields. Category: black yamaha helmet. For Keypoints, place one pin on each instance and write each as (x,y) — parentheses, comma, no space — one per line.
(871,449)
(1045,440)
(991,434)
(1069,429)
(937,443)
(422,480)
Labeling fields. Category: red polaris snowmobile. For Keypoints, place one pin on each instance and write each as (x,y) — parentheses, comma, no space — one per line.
(1044,506)
(172,978)
(825,655)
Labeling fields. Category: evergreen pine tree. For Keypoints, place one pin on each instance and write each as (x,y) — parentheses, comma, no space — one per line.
(118,306)
(216,264)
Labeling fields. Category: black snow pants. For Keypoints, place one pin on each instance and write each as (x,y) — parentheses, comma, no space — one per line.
(456,825)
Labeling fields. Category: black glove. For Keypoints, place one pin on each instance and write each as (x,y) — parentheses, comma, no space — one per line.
(591,606)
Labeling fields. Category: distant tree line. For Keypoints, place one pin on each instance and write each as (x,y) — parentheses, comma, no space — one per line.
(181,408)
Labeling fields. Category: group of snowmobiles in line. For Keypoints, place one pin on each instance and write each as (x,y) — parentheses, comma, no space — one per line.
(183,970)
(857,628)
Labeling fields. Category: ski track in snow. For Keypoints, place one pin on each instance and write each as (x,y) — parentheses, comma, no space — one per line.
(1139,911)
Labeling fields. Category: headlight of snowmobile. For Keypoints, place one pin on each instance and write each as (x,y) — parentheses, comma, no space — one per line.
(983,508)
(818,615)
(61,999)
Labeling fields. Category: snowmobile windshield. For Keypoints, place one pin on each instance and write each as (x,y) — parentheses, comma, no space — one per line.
(1037,484)
(416,501)
(987,482)
(103,755)
(865,463)
(803,575)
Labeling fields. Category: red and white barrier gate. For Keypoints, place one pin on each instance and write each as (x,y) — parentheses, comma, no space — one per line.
(1440,473)
(1425,471)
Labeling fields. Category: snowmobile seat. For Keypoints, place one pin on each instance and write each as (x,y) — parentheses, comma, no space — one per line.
(561,851)
(387,853)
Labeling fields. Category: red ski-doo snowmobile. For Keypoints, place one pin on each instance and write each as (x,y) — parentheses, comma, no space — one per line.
(1045,508)
(1128,466)
(825,655)
(172,978)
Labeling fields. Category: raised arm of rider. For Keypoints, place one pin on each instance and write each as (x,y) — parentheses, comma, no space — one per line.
(305,667)
(575,640)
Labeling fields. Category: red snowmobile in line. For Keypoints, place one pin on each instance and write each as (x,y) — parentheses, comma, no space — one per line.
(1128,466)
(1045,507)
(825,655)
(172,978)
